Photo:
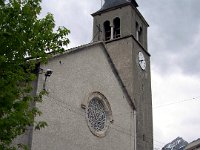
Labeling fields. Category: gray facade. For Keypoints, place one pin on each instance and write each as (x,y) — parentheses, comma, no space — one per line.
(75,76)
(124,51)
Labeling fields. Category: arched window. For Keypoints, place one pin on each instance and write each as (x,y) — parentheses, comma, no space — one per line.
(116,23)
(107,30)
(137,31)
(140,35)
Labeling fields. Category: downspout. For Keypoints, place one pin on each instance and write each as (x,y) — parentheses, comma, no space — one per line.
(135,134)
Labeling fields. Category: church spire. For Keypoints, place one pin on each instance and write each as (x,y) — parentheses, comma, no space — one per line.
(110,4)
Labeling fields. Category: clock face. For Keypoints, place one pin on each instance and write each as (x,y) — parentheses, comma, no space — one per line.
(142,61)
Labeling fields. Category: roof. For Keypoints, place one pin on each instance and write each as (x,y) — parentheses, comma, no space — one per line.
(75,49)
(109,4)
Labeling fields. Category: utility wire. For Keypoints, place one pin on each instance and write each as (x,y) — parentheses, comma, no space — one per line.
(113,126)
(177,102)
(165,105)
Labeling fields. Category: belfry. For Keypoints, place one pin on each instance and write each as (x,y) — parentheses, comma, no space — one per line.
(124,30)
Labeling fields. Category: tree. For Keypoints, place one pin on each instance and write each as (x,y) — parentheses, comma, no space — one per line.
(25,40)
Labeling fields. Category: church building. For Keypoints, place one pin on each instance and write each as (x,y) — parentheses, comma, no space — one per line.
(99,94)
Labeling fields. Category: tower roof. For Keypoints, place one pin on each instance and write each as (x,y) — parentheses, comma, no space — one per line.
(109,4)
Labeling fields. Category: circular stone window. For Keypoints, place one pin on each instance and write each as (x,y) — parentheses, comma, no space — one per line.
(98,114)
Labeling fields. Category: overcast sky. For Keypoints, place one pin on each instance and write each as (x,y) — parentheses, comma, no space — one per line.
(174,45)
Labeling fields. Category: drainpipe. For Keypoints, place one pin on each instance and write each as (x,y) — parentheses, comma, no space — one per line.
(135,134)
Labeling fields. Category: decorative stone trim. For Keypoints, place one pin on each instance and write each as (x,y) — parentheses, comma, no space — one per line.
(98,113)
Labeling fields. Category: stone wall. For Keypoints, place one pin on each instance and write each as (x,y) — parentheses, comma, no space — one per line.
(74,77)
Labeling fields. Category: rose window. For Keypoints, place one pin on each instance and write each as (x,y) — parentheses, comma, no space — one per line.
(96,115)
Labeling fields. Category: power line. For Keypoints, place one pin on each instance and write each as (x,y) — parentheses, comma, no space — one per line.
(177,102)
(164,105)
(117,127)
(113,126)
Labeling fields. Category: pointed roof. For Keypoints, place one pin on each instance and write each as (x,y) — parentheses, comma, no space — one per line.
(110,4)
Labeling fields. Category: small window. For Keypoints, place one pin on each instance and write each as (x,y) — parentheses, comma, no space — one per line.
(138,32)
(107,30)
(140,35)
(116,23)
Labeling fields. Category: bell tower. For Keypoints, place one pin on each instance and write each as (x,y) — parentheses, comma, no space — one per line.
(124,31)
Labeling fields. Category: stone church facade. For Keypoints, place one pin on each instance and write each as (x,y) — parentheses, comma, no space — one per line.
(99,94)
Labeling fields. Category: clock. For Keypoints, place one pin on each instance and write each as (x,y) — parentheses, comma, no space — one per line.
(141,60)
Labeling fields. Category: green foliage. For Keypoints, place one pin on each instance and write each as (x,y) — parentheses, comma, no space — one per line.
(23,35)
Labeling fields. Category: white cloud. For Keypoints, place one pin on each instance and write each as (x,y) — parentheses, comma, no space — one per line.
(75,16)
(174,27)
(175,112)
